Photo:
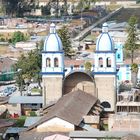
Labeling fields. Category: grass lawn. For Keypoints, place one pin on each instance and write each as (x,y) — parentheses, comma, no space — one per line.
(35,90)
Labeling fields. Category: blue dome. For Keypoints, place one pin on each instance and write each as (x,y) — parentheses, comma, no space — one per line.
(53,41)
(104,41)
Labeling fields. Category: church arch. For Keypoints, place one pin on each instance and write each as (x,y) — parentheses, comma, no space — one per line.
(108,62)
(100,62)
(106,104)
(79,80)
(55,62)
(48,62)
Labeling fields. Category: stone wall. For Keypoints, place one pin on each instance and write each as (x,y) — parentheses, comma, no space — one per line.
(106,90)
(52,89)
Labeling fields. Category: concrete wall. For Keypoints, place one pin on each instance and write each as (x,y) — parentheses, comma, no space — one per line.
(124,122)
(55,125)
(106,90)
(52,89)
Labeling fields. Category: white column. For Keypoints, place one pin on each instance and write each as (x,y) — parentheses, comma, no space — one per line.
(104,61)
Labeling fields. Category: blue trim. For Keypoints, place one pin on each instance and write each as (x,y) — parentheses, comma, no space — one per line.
(52,52)
(52,73)
(45,43)
(106,73)
(105,51)
(99,41)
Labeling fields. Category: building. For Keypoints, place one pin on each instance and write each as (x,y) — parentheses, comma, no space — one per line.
(105,70)
(74,102)
(7,72)
(74,111)
(24,105)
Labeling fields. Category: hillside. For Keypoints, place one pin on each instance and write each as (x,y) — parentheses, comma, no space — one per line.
(125,14)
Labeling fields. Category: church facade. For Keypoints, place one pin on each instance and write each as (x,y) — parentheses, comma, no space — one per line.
(101,82)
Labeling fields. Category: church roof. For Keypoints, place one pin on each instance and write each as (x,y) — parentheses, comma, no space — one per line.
(53,42)
(71,107)
(104,41)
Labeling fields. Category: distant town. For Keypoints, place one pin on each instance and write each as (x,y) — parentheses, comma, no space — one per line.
(69,70)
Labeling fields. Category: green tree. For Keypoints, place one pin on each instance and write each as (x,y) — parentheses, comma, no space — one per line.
(17,37)
(65,37)
(85,4)
(30,66)
(130,44)
(134,72)
(18,7)
(45,10)
(88,66)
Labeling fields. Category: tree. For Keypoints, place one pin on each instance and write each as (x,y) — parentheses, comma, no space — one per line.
(18,7)
(134,72)
(45,10)
(65,37)
(17,37)
(85,4)
(131,47)
(30,66)
(130,44)
(88,66)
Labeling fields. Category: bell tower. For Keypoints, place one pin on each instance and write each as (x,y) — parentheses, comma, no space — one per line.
(52,67)
(105,70)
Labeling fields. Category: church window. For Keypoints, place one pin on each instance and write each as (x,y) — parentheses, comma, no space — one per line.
(106,104)
(48,62)
(108,62)
(100,62)
(55,62)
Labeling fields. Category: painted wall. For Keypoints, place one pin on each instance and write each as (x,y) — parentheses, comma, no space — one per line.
(55,124)
(124,73)
(119,53)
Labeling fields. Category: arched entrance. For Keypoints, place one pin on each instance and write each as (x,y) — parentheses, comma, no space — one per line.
(79,80)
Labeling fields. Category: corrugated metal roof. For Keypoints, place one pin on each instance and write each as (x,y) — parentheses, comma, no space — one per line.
(31,120)
(26,100)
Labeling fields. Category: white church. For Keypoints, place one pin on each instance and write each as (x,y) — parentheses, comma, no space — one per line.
(101,83)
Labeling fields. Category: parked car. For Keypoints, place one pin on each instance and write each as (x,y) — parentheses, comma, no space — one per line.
(8,91)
